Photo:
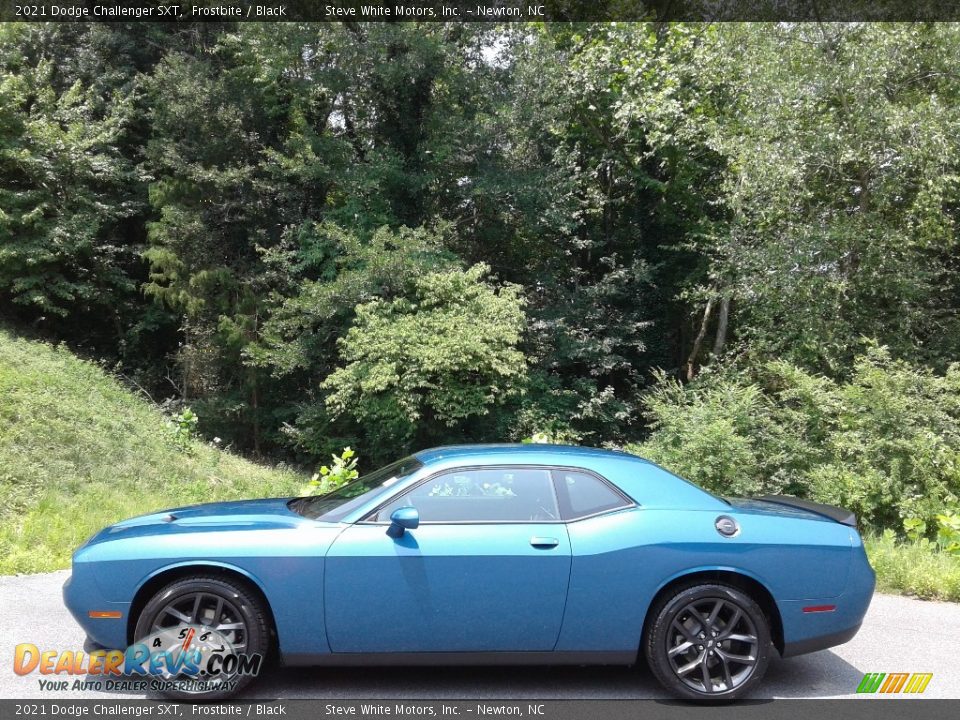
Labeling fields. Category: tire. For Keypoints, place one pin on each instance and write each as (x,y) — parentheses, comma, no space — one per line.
(708,642)
(245,614)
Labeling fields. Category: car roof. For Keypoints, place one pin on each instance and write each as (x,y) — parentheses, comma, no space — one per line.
(516,451)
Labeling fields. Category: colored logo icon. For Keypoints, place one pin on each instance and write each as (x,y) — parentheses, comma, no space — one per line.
(894,683)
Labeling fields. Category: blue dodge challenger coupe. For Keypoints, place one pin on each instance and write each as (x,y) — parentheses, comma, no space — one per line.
(496,554)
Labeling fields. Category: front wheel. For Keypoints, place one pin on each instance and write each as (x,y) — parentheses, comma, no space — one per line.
(202,638)
(708,642)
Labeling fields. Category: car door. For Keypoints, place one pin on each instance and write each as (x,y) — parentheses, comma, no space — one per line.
(487,569)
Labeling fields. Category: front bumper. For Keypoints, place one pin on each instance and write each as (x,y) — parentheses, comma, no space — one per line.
(81,595)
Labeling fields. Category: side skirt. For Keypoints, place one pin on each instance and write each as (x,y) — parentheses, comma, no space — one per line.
(461,658)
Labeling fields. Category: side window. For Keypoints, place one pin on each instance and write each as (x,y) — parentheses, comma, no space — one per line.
(506,494)
(582,494)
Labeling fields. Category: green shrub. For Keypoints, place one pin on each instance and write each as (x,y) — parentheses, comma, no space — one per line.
(885,443)
(184,426)
(947,537)
(913,568)
(731,435)
(430,363)
(948,533)
(328,478)
(895,443)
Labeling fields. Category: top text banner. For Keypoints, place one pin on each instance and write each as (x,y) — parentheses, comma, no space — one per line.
(477,10)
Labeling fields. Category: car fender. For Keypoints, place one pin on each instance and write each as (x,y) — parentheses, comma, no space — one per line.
(714,568)
(707,569)
(217,564)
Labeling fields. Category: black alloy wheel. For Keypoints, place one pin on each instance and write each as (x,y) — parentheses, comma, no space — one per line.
(197,608)
(708,642)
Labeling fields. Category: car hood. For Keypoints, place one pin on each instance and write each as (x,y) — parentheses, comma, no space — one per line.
(234,515)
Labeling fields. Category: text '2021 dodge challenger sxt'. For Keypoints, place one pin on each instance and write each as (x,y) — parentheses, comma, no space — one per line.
(501,554)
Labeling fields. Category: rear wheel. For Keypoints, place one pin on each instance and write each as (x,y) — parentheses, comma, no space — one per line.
(708,642)
(193,620)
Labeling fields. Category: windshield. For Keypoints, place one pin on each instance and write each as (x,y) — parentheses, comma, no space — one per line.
(336,505)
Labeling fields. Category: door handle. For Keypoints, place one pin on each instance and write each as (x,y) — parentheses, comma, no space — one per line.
(544,542)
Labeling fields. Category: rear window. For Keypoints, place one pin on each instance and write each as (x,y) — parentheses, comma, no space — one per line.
(582,494)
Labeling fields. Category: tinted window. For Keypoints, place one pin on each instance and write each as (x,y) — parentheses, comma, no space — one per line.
(486,495)
(582,494)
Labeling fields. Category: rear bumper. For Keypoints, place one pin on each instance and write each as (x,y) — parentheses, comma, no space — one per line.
(807,624)
(820,642)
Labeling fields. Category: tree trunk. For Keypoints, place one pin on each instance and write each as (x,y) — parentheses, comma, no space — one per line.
(722,324)
(255,391)
(185,386)
(255,408)
(698,341)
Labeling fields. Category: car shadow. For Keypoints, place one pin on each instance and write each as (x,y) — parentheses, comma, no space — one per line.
(820,674)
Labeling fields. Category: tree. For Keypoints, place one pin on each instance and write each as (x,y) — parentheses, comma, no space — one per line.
(66,196)
(842,189)
(420,368)
(604,212)
(206,206)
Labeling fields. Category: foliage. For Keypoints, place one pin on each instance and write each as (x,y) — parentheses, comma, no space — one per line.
(342,270)
(947,528)
(328,478)
(948,532)
(915,529)
(184,426)
(727,432)
(913,569)
(445,355)
(842,187)
(66,193)
(886,443)
(549,438)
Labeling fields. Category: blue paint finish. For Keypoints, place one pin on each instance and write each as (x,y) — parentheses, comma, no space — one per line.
(446,588)
(81,594)
(851,605)
(346,587)
(263,540)
(622,560)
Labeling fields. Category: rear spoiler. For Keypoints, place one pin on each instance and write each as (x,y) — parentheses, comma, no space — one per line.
(838,514)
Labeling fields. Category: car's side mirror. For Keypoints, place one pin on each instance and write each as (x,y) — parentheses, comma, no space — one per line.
(402,519)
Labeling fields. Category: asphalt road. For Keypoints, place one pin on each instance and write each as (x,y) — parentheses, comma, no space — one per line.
(899,635)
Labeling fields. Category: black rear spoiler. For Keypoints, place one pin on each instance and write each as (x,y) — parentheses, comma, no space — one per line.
(838,514)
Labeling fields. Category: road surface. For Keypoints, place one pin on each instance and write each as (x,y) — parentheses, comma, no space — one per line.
(899,634)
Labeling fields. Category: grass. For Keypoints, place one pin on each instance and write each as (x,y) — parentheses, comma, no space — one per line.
(78,451)
(910,569)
